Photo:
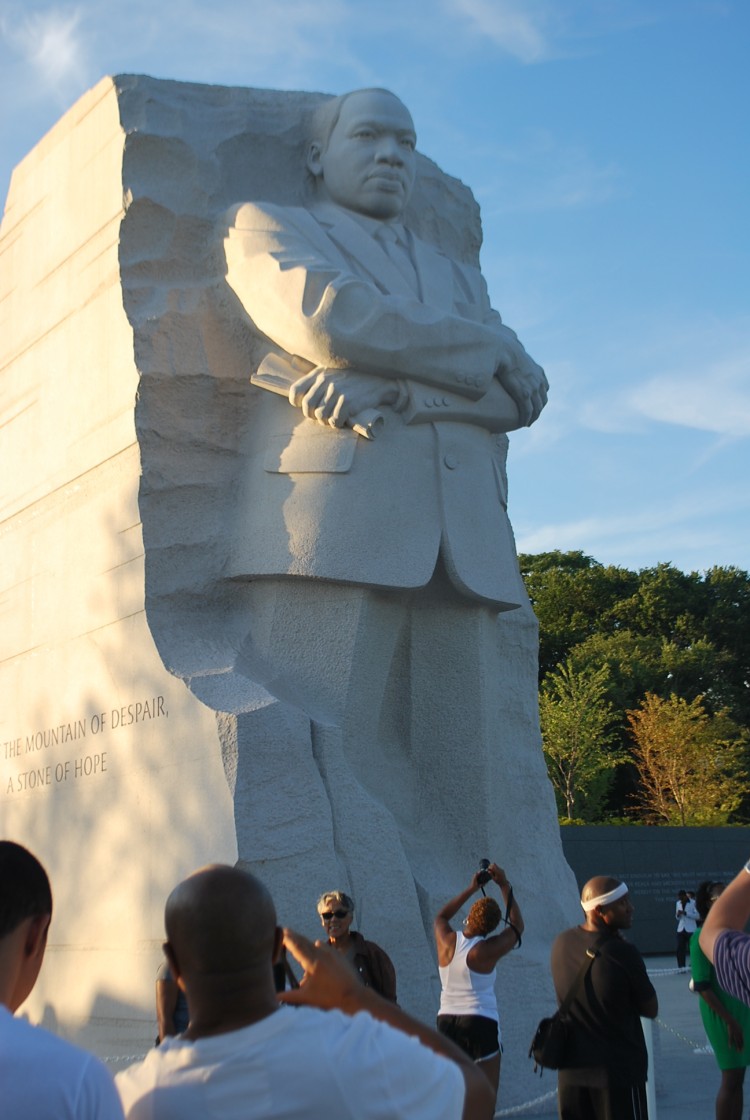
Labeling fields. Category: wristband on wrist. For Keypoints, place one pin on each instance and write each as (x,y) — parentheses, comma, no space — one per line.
(747,867)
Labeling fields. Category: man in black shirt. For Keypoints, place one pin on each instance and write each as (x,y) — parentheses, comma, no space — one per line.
(608,1063)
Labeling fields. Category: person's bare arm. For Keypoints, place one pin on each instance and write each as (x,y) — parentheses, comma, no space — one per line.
(445,937)
(731,910)
(330,983)
(451,908)
(734,1029)
(484,956)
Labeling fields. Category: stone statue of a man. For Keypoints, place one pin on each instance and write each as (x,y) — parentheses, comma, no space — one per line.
(377,319)
(373,523)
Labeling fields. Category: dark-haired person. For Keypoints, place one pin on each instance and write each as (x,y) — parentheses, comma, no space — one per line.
(41,1075)
(605,1074)
(468,1006)
(725,1019)
(371,963)
(172,1013)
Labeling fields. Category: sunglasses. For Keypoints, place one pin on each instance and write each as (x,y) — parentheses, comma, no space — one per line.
(326,915)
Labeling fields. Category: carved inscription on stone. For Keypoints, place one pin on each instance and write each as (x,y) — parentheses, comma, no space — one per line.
(34,746)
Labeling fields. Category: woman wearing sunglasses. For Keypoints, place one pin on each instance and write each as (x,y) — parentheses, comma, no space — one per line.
(372,964)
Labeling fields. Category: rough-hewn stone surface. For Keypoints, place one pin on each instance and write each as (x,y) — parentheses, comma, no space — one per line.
(125,354)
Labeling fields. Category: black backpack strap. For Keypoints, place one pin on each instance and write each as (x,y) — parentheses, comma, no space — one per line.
(591,954)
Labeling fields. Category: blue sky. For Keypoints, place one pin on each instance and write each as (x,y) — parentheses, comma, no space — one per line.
(608,144)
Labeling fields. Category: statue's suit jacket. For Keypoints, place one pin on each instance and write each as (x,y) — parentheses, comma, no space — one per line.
(327,504)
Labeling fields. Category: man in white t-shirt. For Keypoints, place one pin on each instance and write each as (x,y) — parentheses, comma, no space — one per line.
(331,1048)
(40,1075)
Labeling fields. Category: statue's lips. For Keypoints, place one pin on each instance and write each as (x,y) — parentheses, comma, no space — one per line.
(386,181)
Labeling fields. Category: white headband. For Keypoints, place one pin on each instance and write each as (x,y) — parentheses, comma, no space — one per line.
(605,899)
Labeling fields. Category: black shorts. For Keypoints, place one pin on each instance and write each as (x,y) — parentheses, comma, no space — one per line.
(618,1102)
(475,1034)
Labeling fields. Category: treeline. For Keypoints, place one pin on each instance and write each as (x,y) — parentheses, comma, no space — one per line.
(644,689)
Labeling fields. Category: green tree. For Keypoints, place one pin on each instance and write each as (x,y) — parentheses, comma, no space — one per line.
(658,631)
(633,661)
(690,763)
(576,721)
(573,596)
(727,625)
(665,602)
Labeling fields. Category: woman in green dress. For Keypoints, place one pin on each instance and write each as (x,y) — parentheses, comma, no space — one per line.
(726,1020)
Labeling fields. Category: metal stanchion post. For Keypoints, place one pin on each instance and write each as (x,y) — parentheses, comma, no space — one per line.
(648,1034)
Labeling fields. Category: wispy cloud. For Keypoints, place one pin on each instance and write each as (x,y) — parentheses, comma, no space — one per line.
(272,42)
(547,174)
(519,27)
(686,529)
(692,376)
(535,31)
(718,400)
(50,42)
(247,42)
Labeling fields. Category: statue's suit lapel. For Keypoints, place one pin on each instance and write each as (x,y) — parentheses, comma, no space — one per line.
(435,275)
(366,257)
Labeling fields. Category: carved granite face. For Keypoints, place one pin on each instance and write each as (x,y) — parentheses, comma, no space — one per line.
(369,163)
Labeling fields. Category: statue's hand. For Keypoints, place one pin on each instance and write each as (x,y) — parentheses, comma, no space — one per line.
(527,385)
(334,396)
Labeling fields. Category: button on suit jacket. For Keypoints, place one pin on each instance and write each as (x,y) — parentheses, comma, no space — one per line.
(326,504)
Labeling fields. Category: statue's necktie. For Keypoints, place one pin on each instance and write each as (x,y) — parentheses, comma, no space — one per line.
(398,254)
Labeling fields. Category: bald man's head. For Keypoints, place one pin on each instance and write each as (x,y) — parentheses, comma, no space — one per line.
(607,904)
(599,885)
(221,920)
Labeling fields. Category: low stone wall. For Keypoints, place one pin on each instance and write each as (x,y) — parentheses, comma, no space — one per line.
(655,862)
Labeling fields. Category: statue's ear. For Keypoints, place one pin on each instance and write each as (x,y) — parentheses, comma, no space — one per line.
(314,158)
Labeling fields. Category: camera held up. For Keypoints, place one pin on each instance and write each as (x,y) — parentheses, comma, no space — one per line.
(483,875)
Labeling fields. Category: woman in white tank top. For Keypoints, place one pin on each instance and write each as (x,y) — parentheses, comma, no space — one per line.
(468,1006)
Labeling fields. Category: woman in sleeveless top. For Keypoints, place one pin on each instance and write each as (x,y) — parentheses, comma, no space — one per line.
(468,1006)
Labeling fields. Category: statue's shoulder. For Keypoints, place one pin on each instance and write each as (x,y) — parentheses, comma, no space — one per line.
(266,216)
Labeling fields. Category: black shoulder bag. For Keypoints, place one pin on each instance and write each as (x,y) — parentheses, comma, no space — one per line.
(549,1045)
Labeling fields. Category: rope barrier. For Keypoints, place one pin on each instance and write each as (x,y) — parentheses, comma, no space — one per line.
(694,1046)
(519,1109)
